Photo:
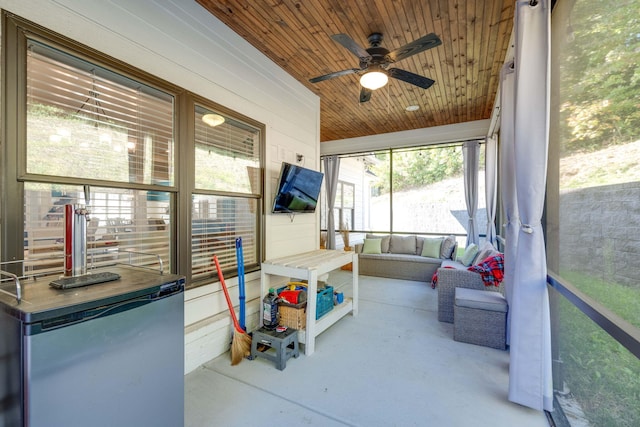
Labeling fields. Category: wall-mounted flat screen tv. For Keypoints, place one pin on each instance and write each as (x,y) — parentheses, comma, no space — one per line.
(298,189)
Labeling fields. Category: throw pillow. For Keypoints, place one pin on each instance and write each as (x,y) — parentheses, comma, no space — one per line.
(384,247)
(372,246)
(469,255)
(431,247)
(447,248)
(403,245)
(484,251)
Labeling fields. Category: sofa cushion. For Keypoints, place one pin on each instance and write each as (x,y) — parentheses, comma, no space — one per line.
(469,254)
(384,245)
(372,246)
(431,247)
(449,263)
(392,257)
(447,248)
(403,245)
(479,299)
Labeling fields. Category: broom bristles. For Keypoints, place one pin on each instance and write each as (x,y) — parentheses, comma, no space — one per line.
(240,347)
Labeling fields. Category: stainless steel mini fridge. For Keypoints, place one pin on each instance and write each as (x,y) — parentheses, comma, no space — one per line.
(109,354)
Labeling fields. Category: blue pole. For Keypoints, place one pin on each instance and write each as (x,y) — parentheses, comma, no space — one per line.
(241,290)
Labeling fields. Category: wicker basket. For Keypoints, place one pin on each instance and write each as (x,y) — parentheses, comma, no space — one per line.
(293,316)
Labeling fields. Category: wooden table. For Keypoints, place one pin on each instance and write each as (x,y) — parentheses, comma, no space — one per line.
(309,266)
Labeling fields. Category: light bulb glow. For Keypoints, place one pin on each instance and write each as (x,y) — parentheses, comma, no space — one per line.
(374,80)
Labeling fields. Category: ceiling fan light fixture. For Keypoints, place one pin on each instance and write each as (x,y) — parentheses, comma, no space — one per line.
(213,120)
(374,80)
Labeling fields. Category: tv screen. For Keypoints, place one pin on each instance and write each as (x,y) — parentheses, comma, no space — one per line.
(298,189)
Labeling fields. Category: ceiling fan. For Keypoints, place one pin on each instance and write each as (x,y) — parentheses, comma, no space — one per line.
(375,60)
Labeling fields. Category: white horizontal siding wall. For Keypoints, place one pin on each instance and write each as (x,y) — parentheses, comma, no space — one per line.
(180,42)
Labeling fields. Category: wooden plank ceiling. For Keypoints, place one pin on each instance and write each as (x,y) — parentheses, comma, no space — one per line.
(296,34)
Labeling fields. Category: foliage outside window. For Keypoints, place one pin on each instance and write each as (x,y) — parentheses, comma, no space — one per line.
(596,133)
(413,190)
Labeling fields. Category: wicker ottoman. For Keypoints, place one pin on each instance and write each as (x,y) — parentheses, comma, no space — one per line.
(480,317)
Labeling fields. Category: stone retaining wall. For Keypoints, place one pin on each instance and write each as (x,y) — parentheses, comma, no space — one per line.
(600,232)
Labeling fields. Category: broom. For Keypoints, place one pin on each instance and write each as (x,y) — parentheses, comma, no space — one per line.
(241,343)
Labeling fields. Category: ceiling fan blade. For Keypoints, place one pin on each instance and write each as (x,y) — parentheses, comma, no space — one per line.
(365,94)
(334,74)
(352,46)
(414,79)
(423,43)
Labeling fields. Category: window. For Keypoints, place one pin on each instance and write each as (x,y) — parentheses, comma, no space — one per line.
(592,209)
(87,124)
(84,120)
(418,190)
(428,191)
(344,206)
(227,191)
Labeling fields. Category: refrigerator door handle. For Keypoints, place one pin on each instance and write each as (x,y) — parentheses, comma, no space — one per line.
(83,316)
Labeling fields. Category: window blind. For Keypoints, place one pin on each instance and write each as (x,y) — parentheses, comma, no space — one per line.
(227,155)
(84,121)
(125,226)
(216,223)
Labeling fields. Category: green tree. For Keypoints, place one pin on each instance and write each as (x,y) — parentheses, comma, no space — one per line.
(600,78)
(414,168)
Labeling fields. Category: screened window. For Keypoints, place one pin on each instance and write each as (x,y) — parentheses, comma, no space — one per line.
(595,185)
(418,190)
(227,191)
(428,191)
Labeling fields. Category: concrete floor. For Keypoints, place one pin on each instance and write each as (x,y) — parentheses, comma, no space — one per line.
(392,365)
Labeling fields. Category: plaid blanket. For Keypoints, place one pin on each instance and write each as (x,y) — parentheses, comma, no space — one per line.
(434,279)
(491,270)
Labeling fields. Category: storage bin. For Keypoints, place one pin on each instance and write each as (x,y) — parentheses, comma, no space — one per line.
(294,315)
(324,302)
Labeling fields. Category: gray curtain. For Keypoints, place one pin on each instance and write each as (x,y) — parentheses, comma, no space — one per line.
(530,378)
(331,171)
(491,186)
(470,155)
(508,180)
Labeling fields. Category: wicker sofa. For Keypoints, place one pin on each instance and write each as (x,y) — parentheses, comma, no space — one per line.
(452,275)
(401,257)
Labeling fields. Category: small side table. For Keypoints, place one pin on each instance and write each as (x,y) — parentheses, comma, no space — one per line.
(284,343)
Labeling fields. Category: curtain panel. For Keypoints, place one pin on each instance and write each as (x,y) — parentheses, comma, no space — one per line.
(491,186)
(331,169)
(471,155)
(530,378)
